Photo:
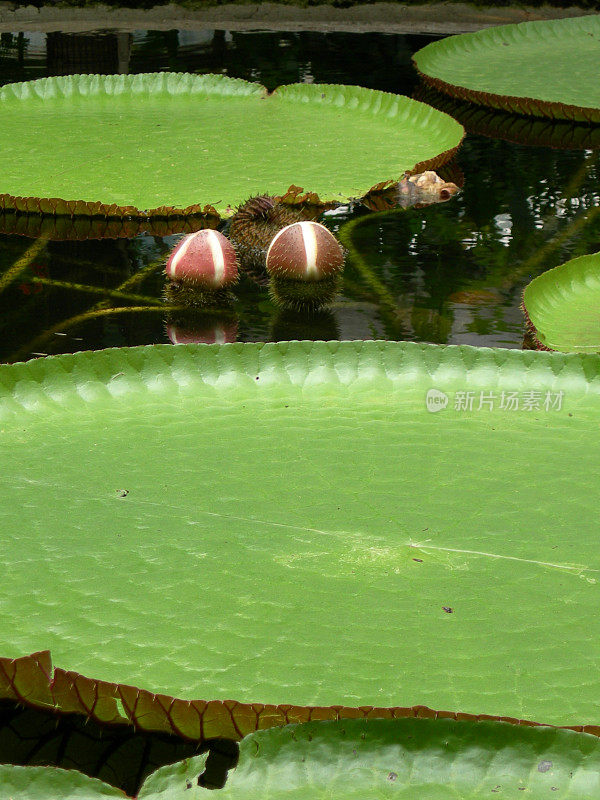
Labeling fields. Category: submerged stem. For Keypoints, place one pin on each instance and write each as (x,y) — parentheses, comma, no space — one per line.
(115,293)
(22,263)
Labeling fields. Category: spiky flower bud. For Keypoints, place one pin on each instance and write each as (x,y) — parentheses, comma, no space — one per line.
(205,259)
(304,251)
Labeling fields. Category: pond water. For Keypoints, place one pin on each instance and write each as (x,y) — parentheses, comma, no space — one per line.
(449,273)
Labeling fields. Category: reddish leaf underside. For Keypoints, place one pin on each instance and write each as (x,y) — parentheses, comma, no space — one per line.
(80,228)
(499,124)
(532,332)
(55,206)
(34,681)
(528,106)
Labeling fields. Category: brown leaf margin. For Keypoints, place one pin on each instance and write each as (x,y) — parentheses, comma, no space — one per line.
(105,217)
(558,134)
(527,106)
(59,220)
(531,333)
(33,681)
(80,228)
(73,208)
(296,196)
(437,161)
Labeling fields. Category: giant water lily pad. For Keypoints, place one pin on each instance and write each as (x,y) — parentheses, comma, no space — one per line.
(544,68)
(303,530)
(364,759)
(408,759)
(163,144)
(41,783)
(562,306)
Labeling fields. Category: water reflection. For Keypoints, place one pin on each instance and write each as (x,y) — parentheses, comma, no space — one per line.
(119,755)
(448,273)
(377,61)
(536,131)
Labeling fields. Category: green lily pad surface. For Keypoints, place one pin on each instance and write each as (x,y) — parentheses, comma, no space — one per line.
(562,306)
(364,759)
(424,759)
(165,144)
(306,530)
(42,783)
(545,68)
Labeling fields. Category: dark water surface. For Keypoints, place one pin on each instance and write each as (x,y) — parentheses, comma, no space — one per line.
(449,273)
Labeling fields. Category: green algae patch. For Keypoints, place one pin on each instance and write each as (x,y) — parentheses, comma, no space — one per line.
(177,144)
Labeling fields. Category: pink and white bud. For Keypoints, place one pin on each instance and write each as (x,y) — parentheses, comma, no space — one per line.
(304,251)
(206,259)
